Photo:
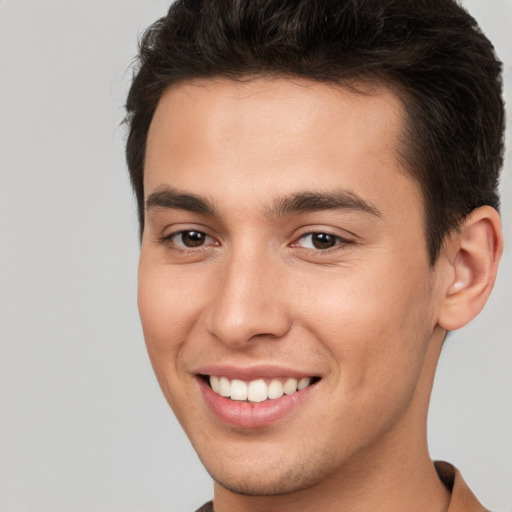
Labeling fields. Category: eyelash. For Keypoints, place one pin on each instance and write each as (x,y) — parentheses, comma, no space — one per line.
(338,240)
(167,241)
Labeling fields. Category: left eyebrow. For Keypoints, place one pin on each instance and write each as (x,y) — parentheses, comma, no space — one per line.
(308,202)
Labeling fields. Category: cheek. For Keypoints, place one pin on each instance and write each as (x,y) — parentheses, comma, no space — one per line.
(378,341)
(166,315)
(376,329)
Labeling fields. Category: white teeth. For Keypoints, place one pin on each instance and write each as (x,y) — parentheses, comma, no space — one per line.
(214,383)
(303,383)
(290,386)
(238,390)
(275,389)
(256,390)
(224,387)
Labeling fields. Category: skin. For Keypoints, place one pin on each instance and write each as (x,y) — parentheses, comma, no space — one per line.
(367,315)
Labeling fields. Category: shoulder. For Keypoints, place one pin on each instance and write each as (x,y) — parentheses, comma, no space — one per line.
(462,499)
(207,507)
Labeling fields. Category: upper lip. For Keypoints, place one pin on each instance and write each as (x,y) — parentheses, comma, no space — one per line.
(249,373)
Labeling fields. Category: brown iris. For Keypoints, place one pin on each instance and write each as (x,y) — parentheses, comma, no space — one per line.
(323,240)
(193,238)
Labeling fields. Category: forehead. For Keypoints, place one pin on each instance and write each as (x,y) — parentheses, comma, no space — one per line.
(275,135)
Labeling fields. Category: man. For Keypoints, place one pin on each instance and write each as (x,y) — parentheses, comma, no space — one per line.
(317,197)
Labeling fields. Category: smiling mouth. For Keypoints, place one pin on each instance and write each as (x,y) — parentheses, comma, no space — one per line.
(258,390)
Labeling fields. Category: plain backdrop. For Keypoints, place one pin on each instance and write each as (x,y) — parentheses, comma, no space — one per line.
(83,425)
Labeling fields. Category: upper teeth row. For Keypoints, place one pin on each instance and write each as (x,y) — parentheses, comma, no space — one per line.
(256,390)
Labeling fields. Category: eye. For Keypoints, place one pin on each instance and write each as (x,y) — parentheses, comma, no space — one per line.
(320,241)
(190,239)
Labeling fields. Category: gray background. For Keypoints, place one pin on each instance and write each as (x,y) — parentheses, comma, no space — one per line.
(83,426)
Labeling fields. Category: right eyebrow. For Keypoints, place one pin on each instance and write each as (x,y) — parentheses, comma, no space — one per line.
(168,197)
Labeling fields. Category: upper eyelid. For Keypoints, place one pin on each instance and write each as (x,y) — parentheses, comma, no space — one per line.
(346,236)
(165,239)
(182,231)
(340,239)
(173,230)
(326,232)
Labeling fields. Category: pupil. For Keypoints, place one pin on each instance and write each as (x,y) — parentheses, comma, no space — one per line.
(192,238)
(323,240)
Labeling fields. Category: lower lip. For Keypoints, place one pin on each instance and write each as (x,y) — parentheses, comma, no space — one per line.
(248,414)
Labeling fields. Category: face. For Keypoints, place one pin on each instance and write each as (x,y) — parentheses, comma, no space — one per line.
(285,292)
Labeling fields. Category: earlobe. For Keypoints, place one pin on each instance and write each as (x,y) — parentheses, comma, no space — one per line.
(472,256)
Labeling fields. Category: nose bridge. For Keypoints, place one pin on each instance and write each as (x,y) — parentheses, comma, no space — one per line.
(249,300)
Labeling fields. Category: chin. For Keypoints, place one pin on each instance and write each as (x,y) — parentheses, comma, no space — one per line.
(273,480)
(257,487)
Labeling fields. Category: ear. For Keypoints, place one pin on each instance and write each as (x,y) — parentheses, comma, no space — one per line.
(470,257)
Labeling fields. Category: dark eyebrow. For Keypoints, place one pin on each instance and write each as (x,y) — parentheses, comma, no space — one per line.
(301,202)
(306,202)
(167,197)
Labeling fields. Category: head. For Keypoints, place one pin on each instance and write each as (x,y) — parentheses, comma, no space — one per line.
(432,55)
(317,196)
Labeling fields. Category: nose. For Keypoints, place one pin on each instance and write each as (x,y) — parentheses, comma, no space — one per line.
(249,301)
